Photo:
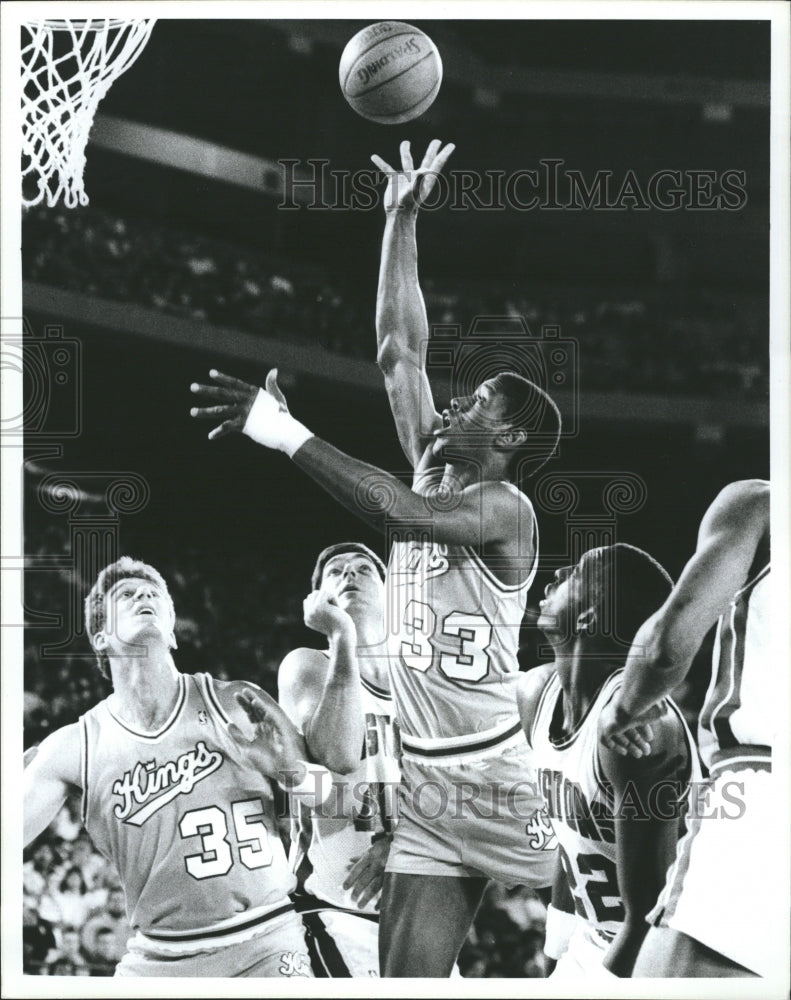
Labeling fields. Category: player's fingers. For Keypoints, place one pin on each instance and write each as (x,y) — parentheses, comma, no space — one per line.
(406,156)
(442,157)
(227,427)
(202,412)
(273,388)
(431,151)
(214,392)
(229,381)
(373,888)
(383,165)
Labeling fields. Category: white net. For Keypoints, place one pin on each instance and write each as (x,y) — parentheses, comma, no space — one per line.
(67,68)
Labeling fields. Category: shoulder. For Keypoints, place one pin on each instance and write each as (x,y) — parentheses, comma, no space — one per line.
(60,754)
(528,693)
(745,501)
(302,664)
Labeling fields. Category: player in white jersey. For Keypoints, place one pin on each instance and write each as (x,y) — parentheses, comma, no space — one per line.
(708,920)
(174,771)
(617,819)
(454,696)
(340,700)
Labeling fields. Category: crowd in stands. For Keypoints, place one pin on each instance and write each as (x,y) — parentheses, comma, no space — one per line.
(693,343)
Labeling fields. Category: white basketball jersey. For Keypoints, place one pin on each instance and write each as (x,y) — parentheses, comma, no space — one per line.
(189,824)
(580,801)
(453,636)
(740,708)
(360,806)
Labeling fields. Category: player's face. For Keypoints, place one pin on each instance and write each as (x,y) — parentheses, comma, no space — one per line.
(472,422)
(135,610)
(353,581)
(573,590)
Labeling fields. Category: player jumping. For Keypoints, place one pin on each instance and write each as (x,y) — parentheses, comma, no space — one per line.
(464,553)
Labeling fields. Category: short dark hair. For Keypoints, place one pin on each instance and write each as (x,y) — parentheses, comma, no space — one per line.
(532,410)
(338,549)
(123,569)
(636,586)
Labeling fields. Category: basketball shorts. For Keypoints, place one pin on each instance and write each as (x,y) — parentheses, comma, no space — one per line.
(279,952)
(582,959)
(480,818)
(726,870)
(341,944)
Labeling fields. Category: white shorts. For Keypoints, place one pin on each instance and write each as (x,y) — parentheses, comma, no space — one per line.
(342,945)
(582,959)
(725,872)
(485,818)
(280,951)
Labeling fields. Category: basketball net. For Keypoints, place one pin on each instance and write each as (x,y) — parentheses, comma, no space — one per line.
(67,68)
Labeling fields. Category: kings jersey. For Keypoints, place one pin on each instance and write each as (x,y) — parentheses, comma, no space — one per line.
(188,822)
(453,634)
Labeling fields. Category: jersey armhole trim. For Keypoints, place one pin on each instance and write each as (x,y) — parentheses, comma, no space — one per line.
(84,769)
(207,683)
(540,708)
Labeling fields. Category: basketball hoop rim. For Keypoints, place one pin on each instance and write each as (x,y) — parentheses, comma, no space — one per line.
(87,24)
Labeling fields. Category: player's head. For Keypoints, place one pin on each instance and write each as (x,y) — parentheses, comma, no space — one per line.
(508,414)
(129,601)
(352,574)
(608,594)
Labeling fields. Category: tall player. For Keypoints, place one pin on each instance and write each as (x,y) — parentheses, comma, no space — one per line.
(176,795)
(707,921)
(340,700)
(464,553)
(617,819)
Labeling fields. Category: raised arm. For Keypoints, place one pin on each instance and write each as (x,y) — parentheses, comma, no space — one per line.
(322,694)
(48,778)
(732,529)
(401,322)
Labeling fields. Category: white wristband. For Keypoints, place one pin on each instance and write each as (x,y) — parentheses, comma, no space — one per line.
(559,928)
(272,427)
(314,788)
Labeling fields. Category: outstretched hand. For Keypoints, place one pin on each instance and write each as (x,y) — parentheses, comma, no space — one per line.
(276,746)
(408,188)
(261,414)
(366,873)
(628,737)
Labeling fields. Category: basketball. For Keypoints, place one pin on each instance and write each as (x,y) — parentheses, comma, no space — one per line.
(390,72)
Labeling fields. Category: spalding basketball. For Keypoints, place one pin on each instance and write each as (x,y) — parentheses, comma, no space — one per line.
(390,72)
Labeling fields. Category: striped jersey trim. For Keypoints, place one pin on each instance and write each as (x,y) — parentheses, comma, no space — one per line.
(84,768)
(437,750)
(206,682)
(169,722)
(552,681)
(746,757)
(217,933)
(306,903)
(504,588)
(377,692)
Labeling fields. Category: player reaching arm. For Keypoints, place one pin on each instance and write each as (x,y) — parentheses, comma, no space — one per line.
(401,322)
(732,532)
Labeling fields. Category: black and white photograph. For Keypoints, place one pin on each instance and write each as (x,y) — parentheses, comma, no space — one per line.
(395,494)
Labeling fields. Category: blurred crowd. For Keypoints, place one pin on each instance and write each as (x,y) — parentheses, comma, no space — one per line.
(684,342)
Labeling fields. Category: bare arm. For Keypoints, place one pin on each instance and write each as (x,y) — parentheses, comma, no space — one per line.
(322,696)
(647,792)
(528,693)
(49,777)
(730,533)
(401,323)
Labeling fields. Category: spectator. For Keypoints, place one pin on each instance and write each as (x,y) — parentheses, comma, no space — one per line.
(105,954)
(70,949)
(106,932)
(38,939)
(71,898)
